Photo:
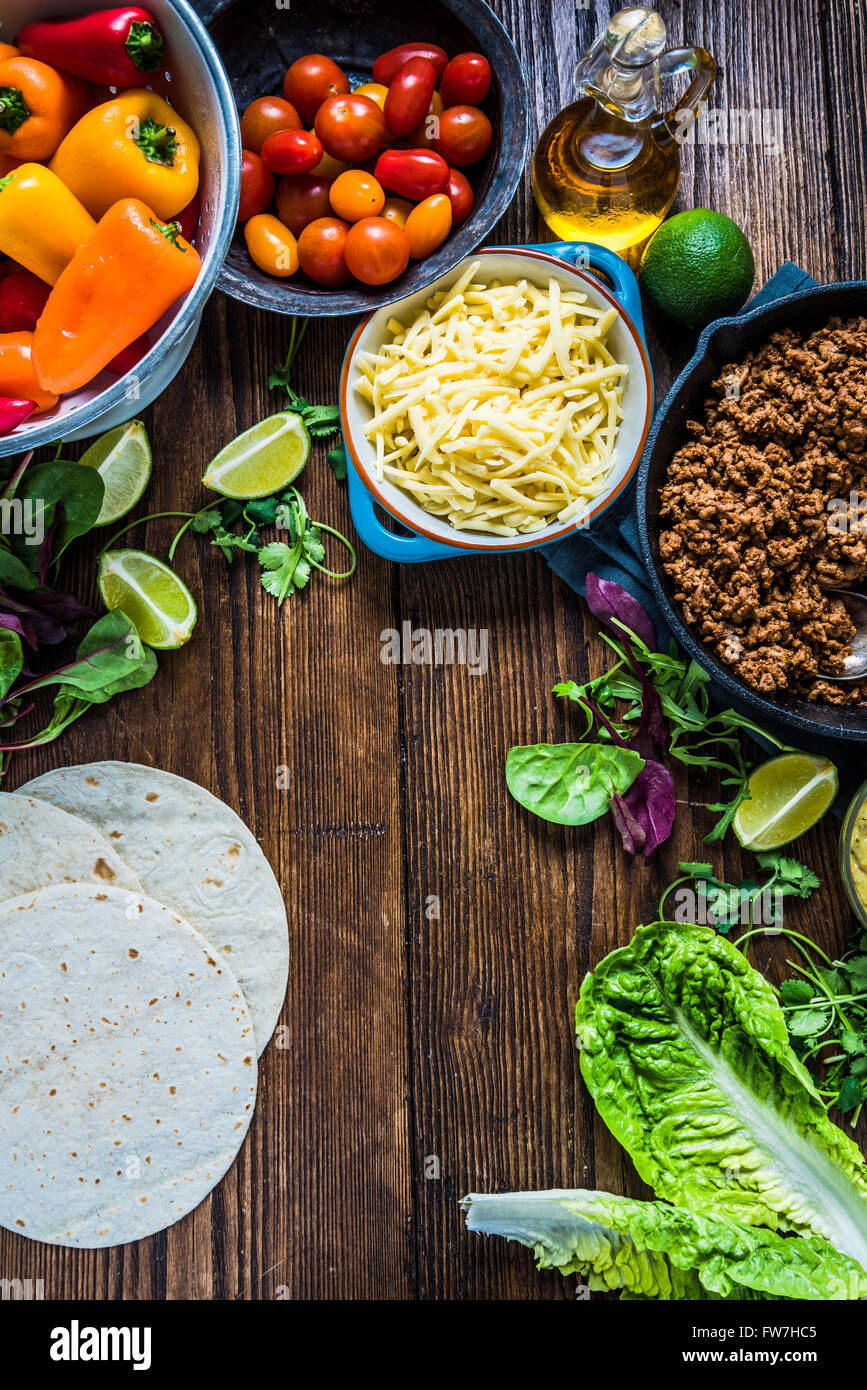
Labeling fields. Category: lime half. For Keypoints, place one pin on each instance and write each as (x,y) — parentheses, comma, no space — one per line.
(150,594)
(262,460)
(788,795)
(123,460)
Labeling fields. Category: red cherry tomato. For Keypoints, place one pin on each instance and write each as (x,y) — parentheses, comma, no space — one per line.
(376,251)
(466,80)
(301,199)
(409,96)
(351,128)
(263,117)
(426,131)
(310,80)
(129,356)
(413,174)
(460,195)
(320,251)
(389,64)
(292,152)
(22,299)
(465,135)
(428,225)
(257,186)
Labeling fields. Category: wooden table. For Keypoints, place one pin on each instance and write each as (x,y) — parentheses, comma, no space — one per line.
(439,934)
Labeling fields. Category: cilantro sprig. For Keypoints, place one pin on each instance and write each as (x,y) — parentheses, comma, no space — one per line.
(724,905)
(322,421)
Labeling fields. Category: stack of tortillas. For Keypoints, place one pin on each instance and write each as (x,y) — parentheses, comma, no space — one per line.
(144,955)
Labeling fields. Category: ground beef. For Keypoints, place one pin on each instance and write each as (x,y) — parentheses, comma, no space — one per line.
(760,511)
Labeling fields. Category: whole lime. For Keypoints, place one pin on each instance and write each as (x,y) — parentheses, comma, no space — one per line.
(698,267)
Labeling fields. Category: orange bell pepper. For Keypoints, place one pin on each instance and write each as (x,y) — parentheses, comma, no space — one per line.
(7,165)
(17,374)
(38,106)
(8,50)
(116,287)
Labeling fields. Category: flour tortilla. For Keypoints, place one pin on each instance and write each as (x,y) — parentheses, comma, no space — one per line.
(194,853)
(127,1066)
(41,845)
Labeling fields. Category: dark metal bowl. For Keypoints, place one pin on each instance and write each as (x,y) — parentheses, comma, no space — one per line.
(729,340)
(257,42)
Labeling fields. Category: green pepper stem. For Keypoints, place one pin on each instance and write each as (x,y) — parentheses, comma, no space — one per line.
(158,143)
(14,110)
(144,44)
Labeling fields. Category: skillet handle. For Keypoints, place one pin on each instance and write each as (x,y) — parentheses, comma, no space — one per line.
(586,255)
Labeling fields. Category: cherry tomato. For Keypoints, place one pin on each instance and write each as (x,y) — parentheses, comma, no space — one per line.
(396,210)
(355,194)
(409,96)
(320,251)
(351,128)
(130,356)
(376,251)
(271,245)
(460,195)
(389,64)
(310,80)
(328,168)
(465,135)
(466,80)
(428,225)
(263,117)
(301,199)
(292,152)
(375,90)
(257,186)
(427,130)
(413,174)
(22,299)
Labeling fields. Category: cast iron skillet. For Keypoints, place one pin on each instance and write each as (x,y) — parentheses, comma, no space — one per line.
(729,340)
(257,40)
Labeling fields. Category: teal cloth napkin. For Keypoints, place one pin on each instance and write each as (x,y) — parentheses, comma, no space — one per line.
(609,548)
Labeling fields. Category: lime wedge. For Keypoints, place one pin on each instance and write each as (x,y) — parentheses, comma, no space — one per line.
(123,459)
(788,795)
(262,460)
(150,594)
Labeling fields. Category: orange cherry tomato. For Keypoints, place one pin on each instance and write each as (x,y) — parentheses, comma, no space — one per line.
(397,210)
(301,199)
(465,135)
(320,251)
(310,80)
(350,127)
(427,130)
(428,225)
(376,251)
(375,90)
(460,195)
(292,152)
(355,194)
(257,186)
(271,245)
(409,96)
(265,116)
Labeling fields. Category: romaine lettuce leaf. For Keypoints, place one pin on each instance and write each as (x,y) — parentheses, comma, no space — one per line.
(650,1250)
(685,1052)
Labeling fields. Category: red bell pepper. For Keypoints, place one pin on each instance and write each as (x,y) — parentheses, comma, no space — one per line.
(22,299)
(13,413)
(189,220)
(129,357)
(110,47)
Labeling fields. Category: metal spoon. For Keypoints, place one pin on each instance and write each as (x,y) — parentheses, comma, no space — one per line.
(855,662)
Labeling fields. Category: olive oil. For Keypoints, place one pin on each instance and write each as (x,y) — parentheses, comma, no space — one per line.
(607,169)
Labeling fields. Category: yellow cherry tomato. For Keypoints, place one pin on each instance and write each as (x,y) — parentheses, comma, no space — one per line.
(271,245)
(427,131)
(428,225)
(397,210)
(355,194)
(375,91)
(328,167)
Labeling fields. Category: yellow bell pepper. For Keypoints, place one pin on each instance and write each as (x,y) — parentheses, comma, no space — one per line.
(42,224)
(135,146)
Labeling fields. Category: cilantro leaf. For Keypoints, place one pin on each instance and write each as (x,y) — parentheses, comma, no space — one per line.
(337,462)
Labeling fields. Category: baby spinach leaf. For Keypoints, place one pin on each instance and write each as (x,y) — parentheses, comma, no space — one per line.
(11,660)
(570,783)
